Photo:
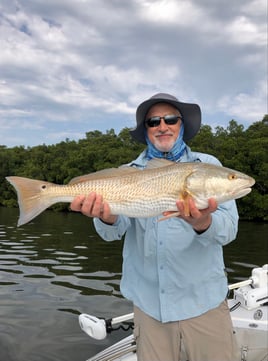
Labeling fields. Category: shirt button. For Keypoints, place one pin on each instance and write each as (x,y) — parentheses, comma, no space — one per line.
(161,267)
(162,291)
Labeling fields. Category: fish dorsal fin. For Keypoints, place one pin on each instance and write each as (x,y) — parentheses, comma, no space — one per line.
(158,163)
(105,173)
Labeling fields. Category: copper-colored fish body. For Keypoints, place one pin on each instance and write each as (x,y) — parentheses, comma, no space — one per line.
(137,193)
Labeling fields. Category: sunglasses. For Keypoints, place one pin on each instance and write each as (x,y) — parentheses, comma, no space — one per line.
(168,119)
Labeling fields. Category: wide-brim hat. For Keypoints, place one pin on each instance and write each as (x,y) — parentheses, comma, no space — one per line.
(191,116)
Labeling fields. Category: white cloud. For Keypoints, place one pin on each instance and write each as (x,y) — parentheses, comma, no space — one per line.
(243,31)
(247,106)
(255,8)
(74,61)
(170,12)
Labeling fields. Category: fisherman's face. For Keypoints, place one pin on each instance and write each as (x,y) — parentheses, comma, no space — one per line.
(164,135)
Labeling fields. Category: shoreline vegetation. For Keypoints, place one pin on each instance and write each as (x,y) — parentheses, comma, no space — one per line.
(245,150)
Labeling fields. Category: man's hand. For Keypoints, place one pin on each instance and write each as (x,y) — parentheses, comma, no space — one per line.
(200,220)
(93,206)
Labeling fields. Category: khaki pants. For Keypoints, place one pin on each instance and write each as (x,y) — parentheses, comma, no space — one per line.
(208,337)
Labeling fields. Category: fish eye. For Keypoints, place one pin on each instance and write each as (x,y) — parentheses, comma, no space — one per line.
(232,176)
(43,186)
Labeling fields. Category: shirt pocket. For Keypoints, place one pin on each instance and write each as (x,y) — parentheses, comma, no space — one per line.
(179,235)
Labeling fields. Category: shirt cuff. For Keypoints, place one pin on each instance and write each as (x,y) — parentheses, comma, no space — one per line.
(109,232)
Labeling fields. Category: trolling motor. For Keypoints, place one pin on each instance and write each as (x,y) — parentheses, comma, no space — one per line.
(254,292)
(98,328)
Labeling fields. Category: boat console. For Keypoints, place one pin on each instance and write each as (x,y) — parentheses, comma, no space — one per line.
(256,293)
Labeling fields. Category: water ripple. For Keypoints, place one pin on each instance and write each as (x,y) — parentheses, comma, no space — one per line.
(50,272)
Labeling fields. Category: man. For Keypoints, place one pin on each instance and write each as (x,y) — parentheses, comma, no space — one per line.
(173,271)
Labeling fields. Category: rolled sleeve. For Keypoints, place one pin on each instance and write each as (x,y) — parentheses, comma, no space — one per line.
(224,225)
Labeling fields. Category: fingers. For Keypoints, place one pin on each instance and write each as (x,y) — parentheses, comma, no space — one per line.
(77,203)
(200,220)
(194,212)
(212,205)
(191,210)
(93,206)
(106,213)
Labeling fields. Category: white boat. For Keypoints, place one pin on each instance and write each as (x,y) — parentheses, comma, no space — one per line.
(249,312)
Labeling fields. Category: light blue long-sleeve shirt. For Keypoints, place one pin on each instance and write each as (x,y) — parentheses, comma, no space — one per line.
(169,271)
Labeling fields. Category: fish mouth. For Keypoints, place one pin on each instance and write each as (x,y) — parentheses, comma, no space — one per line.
(244,189)
(239,193)
(251,182)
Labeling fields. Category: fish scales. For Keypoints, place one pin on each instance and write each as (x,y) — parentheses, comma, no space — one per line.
(146,193)
(137,193)
(154,193)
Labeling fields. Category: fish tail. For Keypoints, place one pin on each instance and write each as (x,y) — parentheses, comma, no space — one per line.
(31,197)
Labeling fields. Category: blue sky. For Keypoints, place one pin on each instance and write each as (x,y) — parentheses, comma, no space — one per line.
(72,66)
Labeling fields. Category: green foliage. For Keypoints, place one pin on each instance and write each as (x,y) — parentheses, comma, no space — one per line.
(237,148)
(243,150)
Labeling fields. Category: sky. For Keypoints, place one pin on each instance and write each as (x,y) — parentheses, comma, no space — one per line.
(68,67)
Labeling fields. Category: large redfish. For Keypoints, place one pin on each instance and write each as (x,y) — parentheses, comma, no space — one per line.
(137,193)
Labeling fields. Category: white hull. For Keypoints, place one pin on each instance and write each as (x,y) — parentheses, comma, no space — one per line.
(251,335)
(249,312)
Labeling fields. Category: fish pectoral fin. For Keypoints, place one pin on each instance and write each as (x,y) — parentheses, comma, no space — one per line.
(170,215)
(185,196)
